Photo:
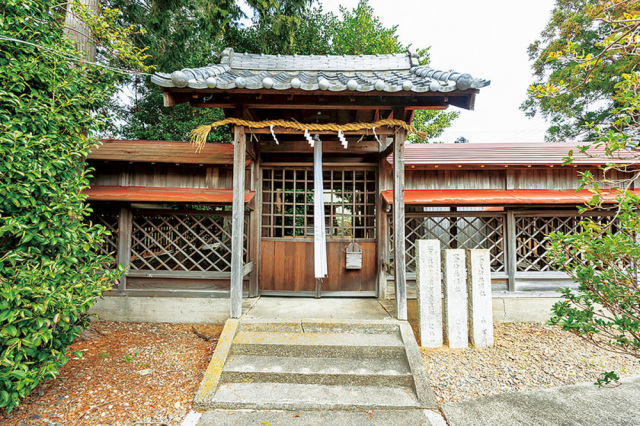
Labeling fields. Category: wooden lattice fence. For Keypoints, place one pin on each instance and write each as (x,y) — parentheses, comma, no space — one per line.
(489,230)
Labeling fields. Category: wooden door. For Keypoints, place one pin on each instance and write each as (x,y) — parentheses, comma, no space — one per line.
(286,254)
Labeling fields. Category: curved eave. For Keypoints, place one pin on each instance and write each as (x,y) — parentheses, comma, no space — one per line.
(256,82)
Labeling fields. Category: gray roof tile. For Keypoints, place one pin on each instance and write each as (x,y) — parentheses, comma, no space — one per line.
(388,73)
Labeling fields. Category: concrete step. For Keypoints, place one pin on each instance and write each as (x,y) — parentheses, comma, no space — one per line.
(320,345)
(326,371)
(318,326)
(292,396)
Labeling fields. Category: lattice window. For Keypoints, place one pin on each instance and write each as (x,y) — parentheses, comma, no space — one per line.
(531,231)
(463,232)
(349,197)
(183,242)
(110,244)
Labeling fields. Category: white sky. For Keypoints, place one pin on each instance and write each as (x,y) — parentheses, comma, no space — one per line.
(487,39)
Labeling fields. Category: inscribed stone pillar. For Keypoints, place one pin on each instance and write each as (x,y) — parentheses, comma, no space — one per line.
(429,293)
(455,298)
(479,298)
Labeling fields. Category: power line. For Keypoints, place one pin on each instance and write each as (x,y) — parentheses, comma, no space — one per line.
(74,58)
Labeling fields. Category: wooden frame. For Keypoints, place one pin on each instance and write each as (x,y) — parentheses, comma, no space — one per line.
(513,240)
(288,205)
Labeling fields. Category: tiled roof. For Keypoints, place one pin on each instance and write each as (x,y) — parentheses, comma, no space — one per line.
(507,154)
(362,73)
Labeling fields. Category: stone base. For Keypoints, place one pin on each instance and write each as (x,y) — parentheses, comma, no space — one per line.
(180,310)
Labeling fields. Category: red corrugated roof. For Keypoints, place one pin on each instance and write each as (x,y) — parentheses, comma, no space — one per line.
(484,197)
(163,194)
(503,154)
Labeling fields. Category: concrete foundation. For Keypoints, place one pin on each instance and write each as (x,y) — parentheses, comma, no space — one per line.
(521,307)
(180,310)
(507,307)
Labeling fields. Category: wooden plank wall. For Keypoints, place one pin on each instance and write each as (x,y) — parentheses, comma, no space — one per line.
(164,175)
(509,178)
(288,266)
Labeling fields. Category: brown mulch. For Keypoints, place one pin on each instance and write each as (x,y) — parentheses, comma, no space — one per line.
(524,357)
(131,373)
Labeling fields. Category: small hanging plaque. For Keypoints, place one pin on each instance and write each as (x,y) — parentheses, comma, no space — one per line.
(354,256)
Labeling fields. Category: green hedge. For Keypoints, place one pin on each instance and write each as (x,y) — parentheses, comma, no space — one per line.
(51,272)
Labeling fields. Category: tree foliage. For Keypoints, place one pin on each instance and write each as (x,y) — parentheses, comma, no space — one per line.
(51,272)
(577,25)
(603,258)
(277,27)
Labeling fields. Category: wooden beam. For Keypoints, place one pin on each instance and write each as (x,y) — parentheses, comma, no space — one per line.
(195,275)
(400,270)
(382,231)
(386,150)
(325,93)
(255,226)
(287,131)
(330,146)
(237,224)
(367,104)
(511,251)
(248,268)
(319,106)
(124,243)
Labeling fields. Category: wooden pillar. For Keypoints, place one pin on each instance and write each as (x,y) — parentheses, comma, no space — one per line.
(511,251)
(125,222)
(237,224)
(400,270)
(255,226)
(381,222)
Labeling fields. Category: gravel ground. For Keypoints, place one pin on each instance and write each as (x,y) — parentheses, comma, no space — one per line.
(524,357)
(131,373)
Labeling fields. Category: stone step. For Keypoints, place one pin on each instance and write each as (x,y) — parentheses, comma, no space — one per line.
(318,326)
(326,371)
(292,396)
(320,345)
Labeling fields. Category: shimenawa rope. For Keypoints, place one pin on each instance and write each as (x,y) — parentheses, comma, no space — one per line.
(199,135)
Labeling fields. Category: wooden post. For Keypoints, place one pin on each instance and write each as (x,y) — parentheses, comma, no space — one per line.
(400,270)
(237,224)
(124,243)
(511,251)
(382,231)
(255,226)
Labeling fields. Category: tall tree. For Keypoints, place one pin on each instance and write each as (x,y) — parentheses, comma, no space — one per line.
(187,34)
(602,257)
(277,27)
(576,24)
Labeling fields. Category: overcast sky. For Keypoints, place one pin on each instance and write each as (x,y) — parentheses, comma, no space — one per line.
(486,39)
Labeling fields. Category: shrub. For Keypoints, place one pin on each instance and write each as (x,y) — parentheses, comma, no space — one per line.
(51,272)
(602,259)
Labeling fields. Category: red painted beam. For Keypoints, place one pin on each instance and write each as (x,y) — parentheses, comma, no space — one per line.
(484,197)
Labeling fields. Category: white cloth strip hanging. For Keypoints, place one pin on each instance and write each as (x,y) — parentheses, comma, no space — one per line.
(376,136)
(308,137)
(319,228)
(343,140)
(274,135)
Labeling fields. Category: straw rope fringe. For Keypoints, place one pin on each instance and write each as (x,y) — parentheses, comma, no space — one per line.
(199,135)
